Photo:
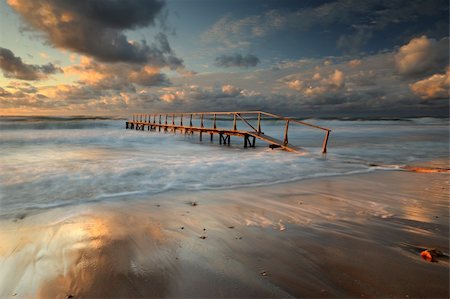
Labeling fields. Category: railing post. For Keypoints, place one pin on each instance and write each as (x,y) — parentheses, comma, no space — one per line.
(259,123)
(181,121)
(160,119)
(325,141)
(214,123)
(141,118)
(201,121)
(173,118)
(154,118)
(190,120)
(286,141)
(165,120)
(234,122)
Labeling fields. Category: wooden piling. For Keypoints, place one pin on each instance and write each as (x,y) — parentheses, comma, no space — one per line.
(325,141)
(286,128)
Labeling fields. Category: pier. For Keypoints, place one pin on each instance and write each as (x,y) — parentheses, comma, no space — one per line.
(207,123)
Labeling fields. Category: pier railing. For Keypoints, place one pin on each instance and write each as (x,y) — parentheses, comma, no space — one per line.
(197,121)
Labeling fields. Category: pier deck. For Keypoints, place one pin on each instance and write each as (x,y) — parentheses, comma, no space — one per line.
(160,122)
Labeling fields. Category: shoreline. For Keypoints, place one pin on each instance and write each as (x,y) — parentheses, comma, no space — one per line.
(346,236)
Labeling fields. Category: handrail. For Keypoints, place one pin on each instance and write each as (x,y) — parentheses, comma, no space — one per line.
(173,115)
(239,112)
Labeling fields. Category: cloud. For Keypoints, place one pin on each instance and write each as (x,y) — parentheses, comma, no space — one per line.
(434,87)
(237,60)
(364,16)
(13,67)
(96,28)
(318,85)
(422,56)
(354,63)
(116,76)
(369,85)
(195,93)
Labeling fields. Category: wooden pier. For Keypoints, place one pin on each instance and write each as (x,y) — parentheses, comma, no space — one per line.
(190,123)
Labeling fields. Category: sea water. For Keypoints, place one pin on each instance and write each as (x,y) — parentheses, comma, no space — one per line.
(55,162)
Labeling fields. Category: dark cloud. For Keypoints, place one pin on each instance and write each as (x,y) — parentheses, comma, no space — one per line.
(237,60)
(96,28)
(13,67)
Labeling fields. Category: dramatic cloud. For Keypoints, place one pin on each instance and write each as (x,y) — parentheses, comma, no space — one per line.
(329,86)
(237,60)
(422,56)
(13,67)
(96,28)
(434,87)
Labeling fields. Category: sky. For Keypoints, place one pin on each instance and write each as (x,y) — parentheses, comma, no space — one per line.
(348,58)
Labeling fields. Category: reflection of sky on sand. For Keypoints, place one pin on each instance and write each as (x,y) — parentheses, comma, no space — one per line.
(77,251)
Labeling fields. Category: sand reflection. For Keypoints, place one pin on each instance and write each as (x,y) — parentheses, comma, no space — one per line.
(106,254)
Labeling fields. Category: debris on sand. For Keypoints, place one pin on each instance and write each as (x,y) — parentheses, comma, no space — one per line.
(430,255)
(263,273)
(203,237)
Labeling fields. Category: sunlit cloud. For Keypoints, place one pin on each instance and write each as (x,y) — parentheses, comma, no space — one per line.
(434,87)
(422,56)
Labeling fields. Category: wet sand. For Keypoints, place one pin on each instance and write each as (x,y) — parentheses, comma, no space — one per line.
(348,237)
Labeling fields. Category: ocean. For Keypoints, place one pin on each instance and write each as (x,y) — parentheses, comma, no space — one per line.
(54,162)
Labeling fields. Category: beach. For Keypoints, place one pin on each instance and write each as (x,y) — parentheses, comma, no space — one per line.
(91,210)
(348,237)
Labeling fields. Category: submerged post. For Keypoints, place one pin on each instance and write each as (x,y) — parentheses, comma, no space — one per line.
(259,123)
(286,128)
(325,141)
